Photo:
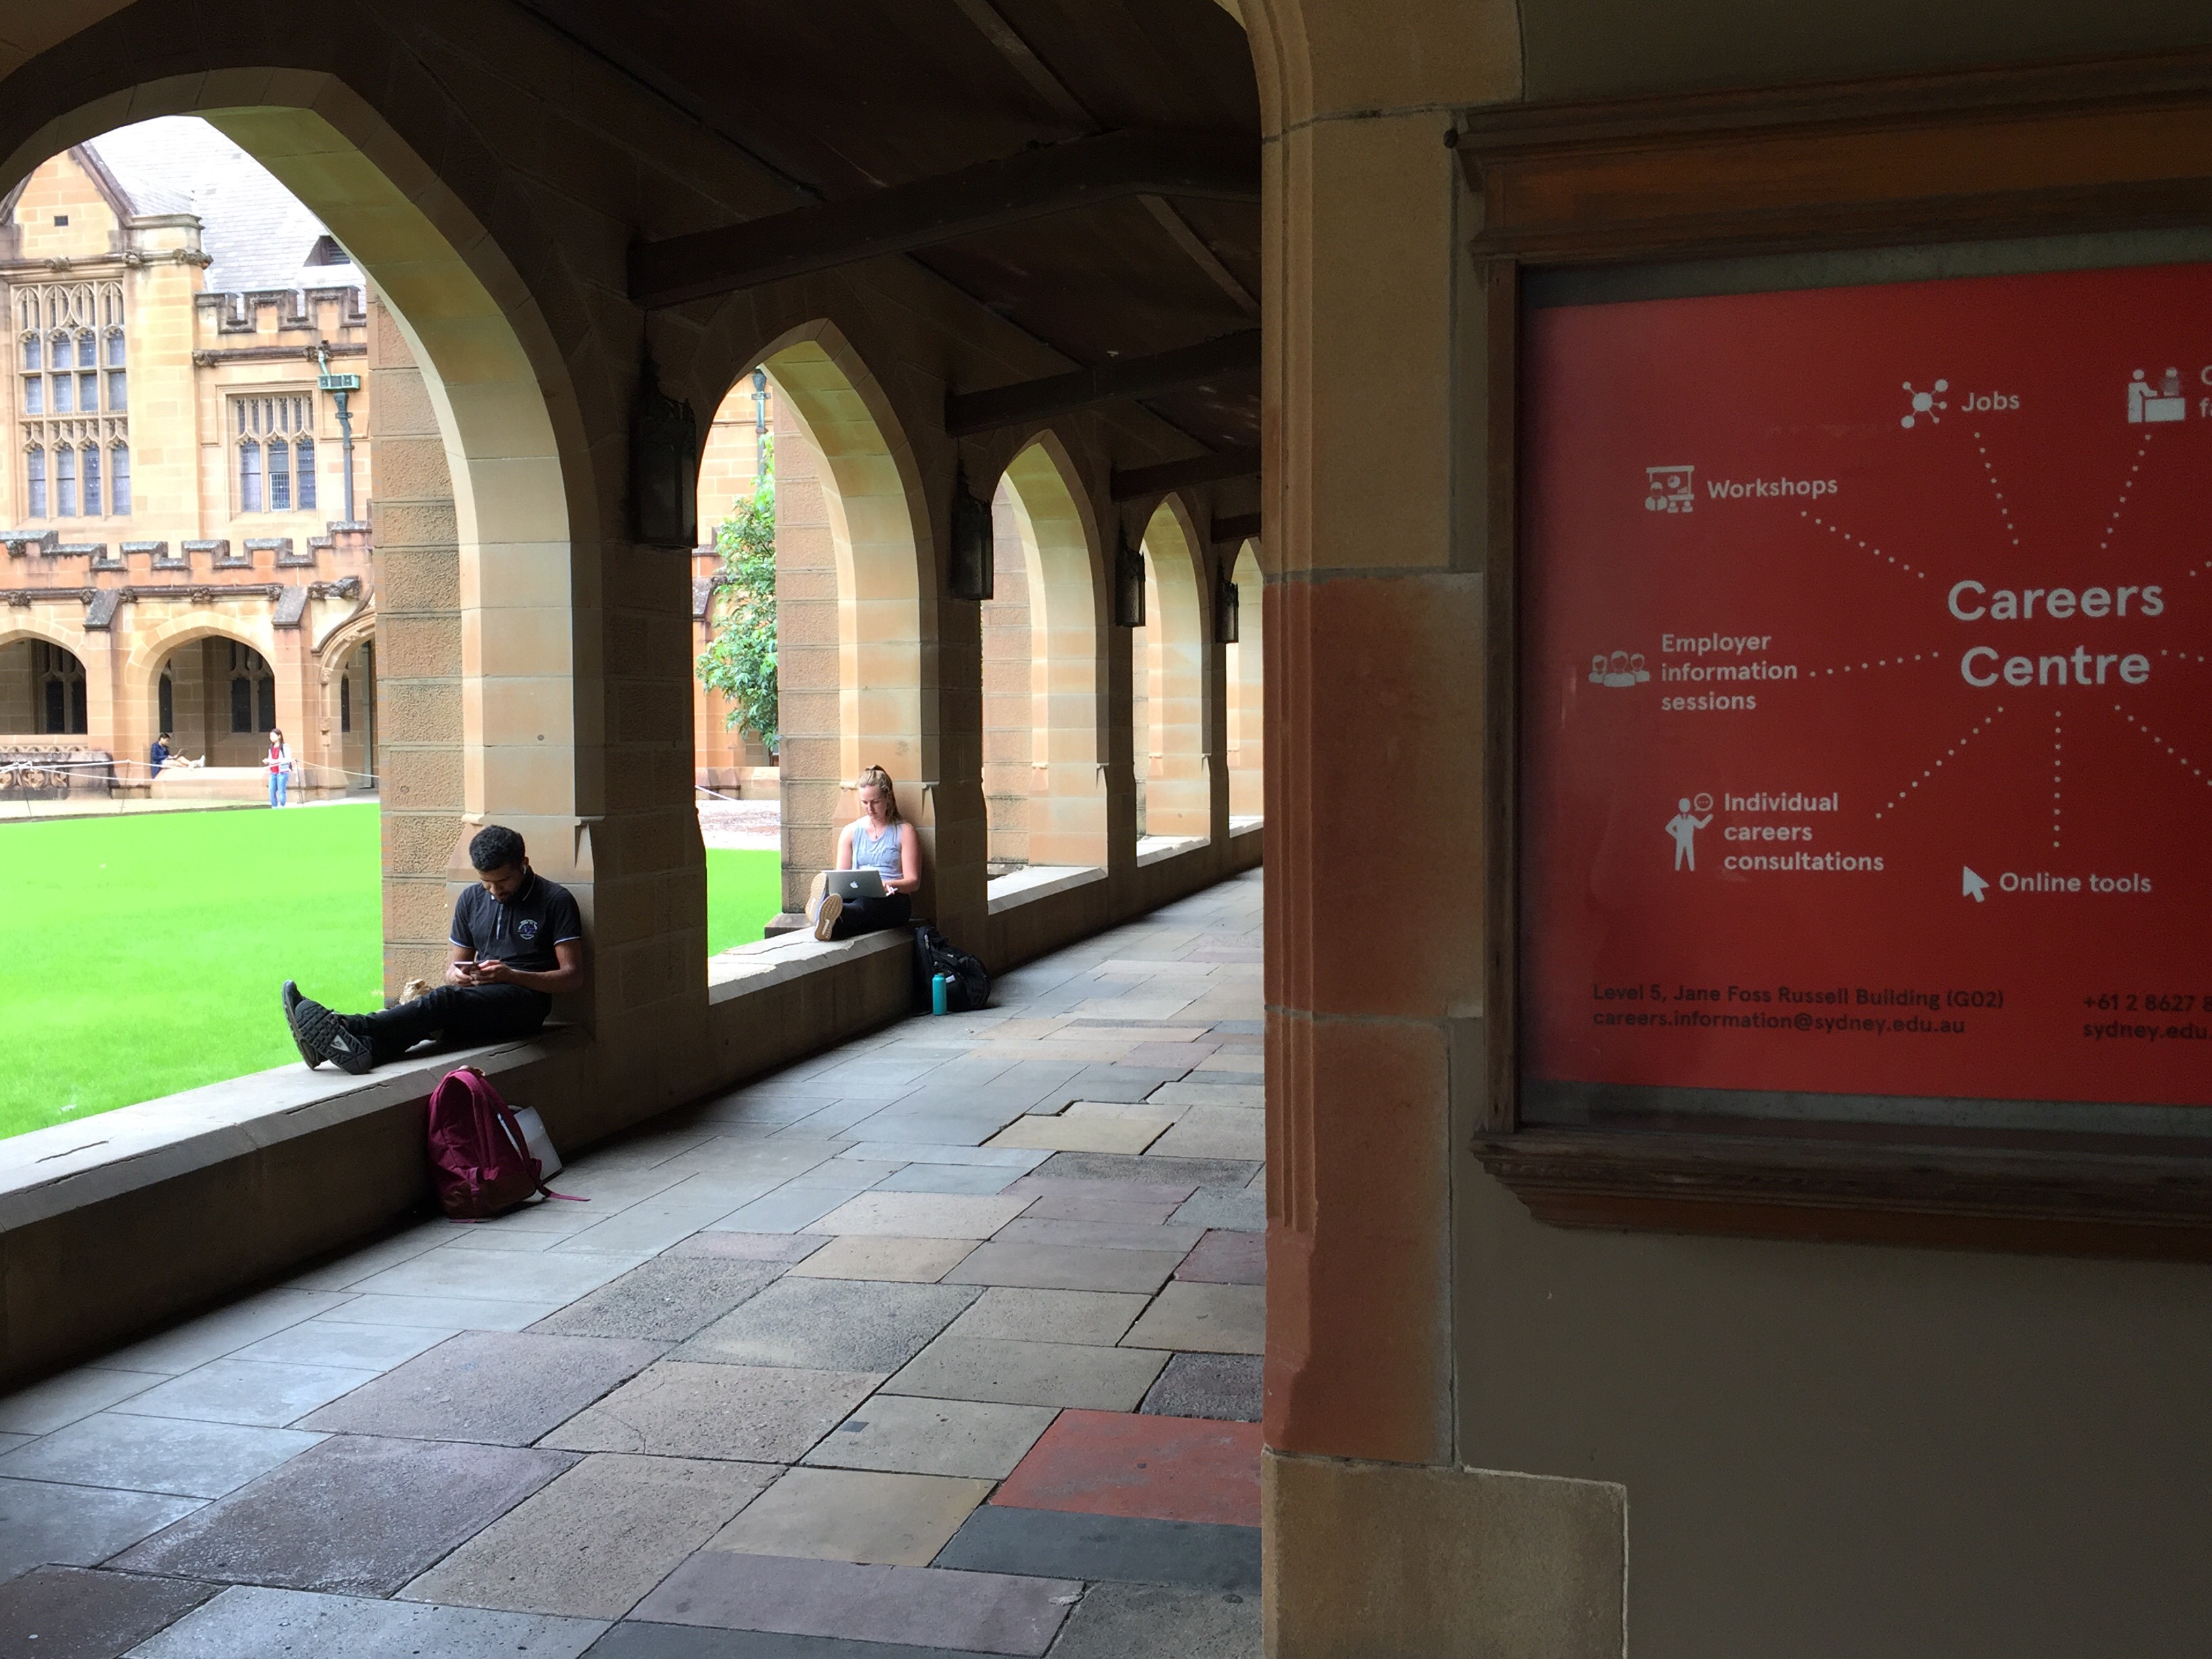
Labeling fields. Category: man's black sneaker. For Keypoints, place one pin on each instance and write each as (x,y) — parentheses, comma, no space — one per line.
(316,1029)
(292,1000)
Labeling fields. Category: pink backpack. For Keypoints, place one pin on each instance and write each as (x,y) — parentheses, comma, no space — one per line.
(479,1161)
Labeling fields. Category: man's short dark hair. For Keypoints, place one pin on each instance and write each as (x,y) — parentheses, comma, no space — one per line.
(495,847)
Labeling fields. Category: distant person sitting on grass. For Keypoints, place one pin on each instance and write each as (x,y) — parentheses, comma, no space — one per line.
(518,940)
(879,840)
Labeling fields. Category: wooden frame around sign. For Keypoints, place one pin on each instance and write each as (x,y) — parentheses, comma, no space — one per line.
(2100,144)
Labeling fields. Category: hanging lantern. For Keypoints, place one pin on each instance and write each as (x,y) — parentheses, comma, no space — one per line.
(664,476)
(1128,584)
(972,569)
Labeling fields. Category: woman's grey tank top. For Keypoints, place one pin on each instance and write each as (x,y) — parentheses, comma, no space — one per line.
(877,852)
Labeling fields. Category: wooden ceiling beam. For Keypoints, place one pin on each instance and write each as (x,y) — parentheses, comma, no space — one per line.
(902,218)
(1117,381)
(1139,482)
(1238,528)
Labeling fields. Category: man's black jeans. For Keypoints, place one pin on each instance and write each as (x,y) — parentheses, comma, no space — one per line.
(462,1014)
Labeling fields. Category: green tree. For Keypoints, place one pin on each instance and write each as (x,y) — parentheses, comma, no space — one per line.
(740,662)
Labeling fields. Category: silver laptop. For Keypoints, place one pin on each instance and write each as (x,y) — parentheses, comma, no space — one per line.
(854,884)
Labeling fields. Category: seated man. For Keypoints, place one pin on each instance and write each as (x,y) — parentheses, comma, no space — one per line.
(517,939)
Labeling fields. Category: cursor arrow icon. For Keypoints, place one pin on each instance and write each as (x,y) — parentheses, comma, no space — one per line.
(1971,886)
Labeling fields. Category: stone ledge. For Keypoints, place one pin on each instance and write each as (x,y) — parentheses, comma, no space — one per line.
(71,1164)
(756,966)
(1040,881)
(1154,849)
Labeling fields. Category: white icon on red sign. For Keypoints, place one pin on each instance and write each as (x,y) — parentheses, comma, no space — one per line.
(1667,489)
(1925,403)
(1684,828)
(1621,670)
(2148,405)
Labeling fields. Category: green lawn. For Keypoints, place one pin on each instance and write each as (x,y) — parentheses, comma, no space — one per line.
(141,955)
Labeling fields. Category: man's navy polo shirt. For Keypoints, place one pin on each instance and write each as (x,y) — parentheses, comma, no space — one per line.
(522,931)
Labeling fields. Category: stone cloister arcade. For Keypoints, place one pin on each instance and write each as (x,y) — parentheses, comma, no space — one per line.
(1047,249)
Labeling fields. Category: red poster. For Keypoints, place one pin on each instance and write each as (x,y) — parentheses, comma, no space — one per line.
(1867,740)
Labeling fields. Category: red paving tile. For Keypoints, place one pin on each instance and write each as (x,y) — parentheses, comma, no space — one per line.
(1160,1468)
(1227,1258)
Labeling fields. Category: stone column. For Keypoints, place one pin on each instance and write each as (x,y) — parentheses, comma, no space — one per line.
(418,684)
(1378,1541)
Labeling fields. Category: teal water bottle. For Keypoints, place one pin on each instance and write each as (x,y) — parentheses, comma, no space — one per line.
(937,984)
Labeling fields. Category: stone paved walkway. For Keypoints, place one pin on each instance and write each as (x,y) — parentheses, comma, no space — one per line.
(943,1343)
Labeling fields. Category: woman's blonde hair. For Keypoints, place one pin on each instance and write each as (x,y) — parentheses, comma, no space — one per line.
(881,780)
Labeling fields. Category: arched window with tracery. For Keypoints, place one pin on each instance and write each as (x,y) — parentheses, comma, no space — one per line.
(273,435)
(71,355)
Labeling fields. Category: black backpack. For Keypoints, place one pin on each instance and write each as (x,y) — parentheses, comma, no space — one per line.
(933,954)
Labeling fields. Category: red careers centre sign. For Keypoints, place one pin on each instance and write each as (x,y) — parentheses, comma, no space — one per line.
(1868,719)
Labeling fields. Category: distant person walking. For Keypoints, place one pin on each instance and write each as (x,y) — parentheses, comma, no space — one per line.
(881,840)
(280,769)
(517,941)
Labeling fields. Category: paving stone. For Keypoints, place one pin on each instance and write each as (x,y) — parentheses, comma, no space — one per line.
(968,1612)
(1100,1318)
(1144,1622)
(1112,1082)
(10,1441)
(1227,1386)
(830,1325)
(155,1454)
(855,1515)
(448,1314)
(1029,1373)
(1018,1160)
(342,1272)
(76,1526)
(66,1613)
(914,1436)
(353,1515)
(1215,1132)
(596,1539)
(342,1342)
(1204,1555)
(1164,1468)
(905,1261)
(635,1639)
(1152,1169)
(922,1215)
(1227,1258)
(502,1388)
(1208,1318)
(1059,1199)
(786,1210)
(1234,1209)
(501,1275)
(1066,1267)
(60,1401)
(247,1391)
(1084,1133)
(979,1179)
(1100,1235)
(1199,1092)
(749,1247)
(213,1335)
(762,1414)
(251,1623)
(664,1300)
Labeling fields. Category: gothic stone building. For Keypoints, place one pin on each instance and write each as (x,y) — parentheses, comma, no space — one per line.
(184,548)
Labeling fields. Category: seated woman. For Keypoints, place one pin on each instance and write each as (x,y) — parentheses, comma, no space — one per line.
(881,841)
